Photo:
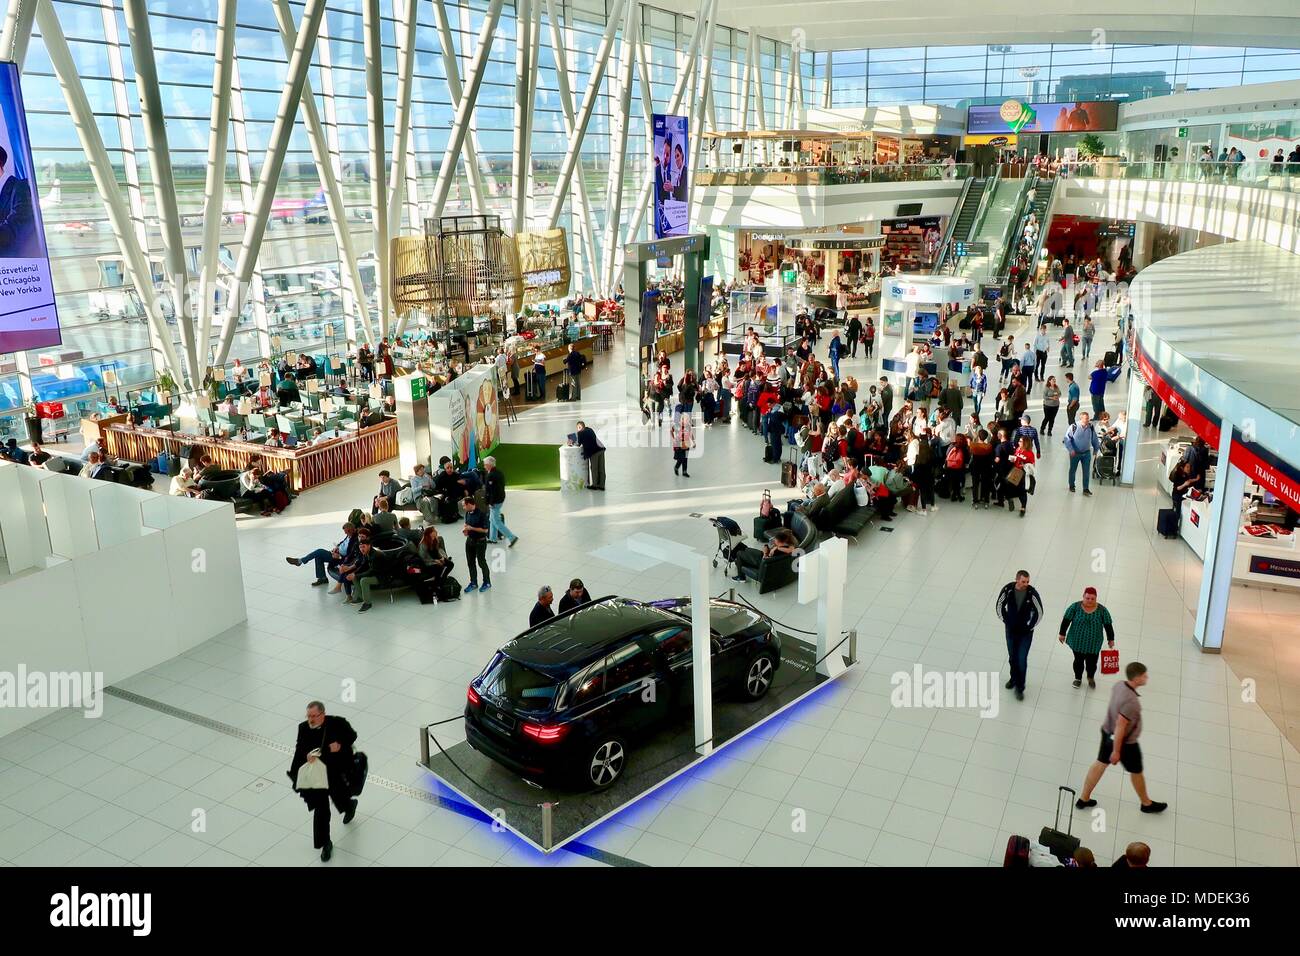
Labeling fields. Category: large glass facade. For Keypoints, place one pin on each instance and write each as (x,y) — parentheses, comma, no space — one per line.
(962,75)
(298,295)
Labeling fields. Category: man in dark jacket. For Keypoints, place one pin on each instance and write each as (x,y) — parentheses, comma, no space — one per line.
(853,329)
(18,238)
(541,611)
(575,596)
(333,738)
(494,486)
(1020,608)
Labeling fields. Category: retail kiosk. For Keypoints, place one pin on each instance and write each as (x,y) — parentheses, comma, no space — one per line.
(911,308)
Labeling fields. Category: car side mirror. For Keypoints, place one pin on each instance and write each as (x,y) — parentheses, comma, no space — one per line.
(715,645)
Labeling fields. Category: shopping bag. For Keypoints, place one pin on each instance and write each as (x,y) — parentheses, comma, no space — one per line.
(1110,661)
(312,775)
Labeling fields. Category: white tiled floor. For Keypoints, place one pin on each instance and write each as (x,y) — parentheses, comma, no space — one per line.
(842,779)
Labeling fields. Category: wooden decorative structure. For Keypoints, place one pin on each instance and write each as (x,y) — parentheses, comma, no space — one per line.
(544,265)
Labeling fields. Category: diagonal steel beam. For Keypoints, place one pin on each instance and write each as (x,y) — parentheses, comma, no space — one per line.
(164,183)
(452,69)
(322,155)
(404,10)
(374,52)
(281,130)
(588,106)
(614,211)
(17,31)
(521,152)
(674,104)
(215,185)
(465,108)
(702,107)
(134,257)
(566,108)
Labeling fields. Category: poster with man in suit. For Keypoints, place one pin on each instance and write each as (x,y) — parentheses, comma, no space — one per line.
(28,318)
(670,148)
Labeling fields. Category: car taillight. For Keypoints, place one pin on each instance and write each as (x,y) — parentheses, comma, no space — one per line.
(545,733)
(472,695)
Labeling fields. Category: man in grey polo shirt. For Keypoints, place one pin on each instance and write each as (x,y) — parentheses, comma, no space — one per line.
(1119,740)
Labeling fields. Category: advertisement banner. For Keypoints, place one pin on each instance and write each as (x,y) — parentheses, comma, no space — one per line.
(27,315)
(671,148)
(705,302)
(1013,116)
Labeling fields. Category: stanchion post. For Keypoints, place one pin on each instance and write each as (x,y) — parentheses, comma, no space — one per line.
(424,745)
(853,645)
(548,834)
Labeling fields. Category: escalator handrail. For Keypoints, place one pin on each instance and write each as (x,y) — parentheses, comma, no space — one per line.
(942,259)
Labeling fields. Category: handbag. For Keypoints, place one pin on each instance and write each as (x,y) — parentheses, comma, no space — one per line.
(313,775)
(1015,476)
(1110,661)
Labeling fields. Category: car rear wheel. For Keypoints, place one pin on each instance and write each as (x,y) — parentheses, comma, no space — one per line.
(605,762)
(758,677)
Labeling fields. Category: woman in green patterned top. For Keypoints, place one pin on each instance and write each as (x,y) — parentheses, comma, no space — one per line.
(1082,628)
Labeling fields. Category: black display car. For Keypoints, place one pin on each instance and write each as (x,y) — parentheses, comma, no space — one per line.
(565,700)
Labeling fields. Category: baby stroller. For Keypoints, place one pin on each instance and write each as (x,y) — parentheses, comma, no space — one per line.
(729,536)
(1105,465)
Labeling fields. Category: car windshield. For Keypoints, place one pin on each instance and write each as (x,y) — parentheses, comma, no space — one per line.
(521,686)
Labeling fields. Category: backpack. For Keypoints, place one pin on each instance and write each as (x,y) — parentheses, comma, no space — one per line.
(924,453)
(448,589)
(955,458)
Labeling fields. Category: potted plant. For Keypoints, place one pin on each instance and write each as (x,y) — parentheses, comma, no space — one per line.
(166,385)
(1093,147)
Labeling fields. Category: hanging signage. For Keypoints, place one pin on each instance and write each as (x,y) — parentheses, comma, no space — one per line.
(671,186)
(1013,116)
(543,265)
(28,318)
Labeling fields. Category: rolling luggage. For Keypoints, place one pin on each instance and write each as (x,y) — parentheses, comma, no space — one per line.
(789,474)
(359,771)
(1167,523)
(1061,844)
(533,389)
(1017,855)
(1168,419)
(1111,359)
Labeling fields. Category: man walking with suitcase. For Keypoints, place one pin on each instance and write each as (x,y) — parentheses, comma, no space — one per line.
(327,740)
(1119,740)
(1020,608)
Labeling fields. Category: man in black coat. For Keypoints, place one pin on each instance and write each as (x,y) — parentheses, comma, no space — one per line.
(333,737)
(18,239)
(576,595)
(1020,609)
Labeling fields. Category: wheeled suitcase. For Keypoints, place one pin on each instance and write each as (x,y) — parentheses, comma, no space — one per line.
(562,392)
(1167,523)
(1168,419)
(533,388)
(1111,359)
(789,474)
(1017,855)
(1061,844)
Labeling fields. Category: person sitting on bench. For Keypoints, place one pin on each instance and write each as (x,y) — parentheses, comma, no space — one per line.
(782,542)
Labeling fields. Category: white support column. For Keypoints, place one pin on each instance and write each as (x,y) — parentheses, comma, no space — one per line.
(17,31)
(534,54)
(1133,438)
(286,112)
(452,69)
(215,183)
(404,11)
(828,75)
(746,88)
(760,97)
(614,210)
(583,202)
(674,104)
(325,154)
(1220,548)
(164,184)
(678,555)
(465,108)
(134,257)
(374,52)
(588,106)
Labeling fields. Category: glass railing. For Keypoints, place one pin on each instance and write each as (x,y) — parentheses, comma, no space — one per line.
(833,175)
(1260,174)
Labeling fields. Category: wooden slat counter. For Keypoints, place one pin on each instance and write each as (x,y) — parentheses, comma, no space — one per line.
(306,465)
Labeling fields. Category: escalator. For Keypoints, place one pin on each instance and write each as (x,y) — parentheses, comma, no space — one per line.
(992,232)
(1037,201)
(963,221)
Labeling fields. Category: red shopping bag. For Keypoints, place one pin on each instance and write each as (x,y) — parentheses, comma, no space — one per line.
(1110,661)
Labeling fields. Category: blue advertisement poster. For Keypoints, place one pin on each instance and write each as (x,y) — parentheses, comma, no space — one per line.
(27,316)
(671,149)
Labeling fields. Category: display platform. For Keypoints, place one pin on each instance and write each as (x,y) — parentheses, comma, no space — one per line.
(516,804)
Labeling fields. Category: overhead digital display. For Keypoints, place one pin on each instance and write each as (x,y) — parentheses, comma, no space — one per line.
(28,319)
(1013,116)
(671,191)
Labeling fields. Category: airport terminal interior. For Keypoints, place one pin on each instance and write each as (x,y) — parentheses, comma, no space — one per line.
(607,433)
